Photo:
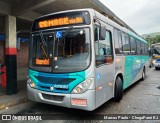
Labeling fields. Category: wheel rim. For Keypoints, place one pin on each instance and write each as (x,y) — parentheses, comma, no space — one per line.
(143,75)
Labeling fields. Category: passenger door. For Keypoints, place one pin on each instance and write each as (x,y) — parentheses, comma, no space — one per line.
(104,69)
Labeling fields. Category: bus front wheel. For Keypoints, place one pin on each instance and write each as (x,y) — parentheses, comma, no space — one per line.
(118,92)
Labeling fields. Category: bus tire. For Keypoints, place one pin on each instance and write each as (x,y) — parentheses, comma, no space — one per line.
(143,75)
(118,92)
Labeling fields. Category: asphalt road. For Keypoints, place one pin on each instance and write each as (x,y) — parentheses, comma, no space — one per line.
(141,98)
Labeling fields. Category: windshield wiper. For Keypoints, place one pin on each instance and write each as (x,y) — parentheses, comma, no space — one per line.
(60,41)
(66,33)
(56,54)
(43,44)
(42,38)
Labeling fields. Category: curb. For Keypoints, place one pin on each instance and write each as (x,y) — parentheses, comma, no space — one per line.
(8,101)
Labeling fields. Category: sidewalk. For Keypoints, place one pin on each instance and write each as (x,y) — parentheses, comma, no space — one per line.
(21,97)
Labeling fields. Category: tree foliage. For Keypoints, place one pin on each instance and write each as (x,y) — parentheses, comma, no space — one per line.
(153,40)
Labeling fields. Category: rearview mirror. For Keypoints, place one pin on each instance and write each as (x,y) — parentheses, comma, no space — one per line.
(96,34)
(102,33)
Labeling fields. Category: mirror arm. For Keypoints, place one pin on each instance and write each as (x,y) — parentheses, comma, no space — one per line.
(96,20)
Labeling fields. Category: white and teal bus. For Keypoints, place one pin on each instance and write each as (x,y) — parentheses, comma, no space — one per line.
(155,55)
(81,59)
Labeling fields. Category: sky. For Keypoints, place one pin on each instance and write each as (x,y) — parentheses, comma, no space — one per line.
(143,16)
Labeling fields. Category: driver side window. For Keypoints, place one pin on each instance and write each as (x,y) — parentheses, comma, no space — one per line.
(103,48)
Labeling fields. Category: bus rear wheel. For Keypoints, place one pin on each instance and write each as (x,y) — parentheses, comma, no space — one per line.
(118,92)
(143,74)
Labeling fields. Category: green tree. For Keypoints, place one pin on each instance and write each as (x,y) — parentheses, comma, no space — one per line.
(157,39)
(153,40)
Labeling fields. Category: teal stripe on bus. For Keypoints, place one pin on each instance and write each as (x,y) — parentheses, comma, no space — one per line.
(137,37)
(132,67)
(78,76)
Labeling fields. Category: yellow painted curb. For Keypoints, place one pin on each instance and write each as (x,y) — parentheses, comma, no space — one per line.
(13,103)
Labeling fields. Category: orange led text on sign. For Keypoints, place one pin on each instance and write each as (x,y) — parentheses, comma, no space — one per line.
(59,22)
(42,62)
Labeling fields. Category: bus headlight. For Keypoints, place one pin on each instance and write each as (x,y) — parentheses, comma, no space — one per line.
(82,87)
(31,83)
(153,61)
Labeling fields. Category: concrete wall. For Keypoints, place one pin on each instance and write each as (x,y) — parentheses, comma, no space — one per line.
(22,55)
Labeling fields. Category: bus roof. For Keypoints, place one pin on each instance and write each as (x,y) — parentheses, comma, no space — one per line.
(85,9)
(124,29)
(137,37)
(94,4)
(130,32)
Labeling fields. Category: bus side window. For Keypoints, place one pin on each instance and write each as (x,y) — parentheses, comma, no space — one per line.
(126,45)
(133,46)
(147,47)
(103,50)
(146,52)
(138,47)
(142,48)
(118,42)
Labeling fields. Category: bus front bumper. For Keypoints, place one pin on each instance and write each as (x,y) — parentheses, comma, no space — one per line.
(65,100)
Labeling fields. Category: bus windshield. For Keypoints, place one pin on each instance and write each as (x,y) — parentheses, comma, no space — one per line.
(158,50)
(155,51)
(68,52)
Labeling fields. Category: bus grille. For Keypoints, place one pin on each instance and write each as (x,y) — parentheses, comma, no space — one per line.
(53,97)
(54,80)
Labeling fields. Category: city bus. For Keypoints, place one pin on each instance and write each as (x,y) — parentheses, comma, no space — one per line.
(81,59)
(155,54)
